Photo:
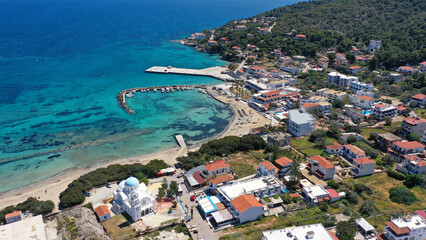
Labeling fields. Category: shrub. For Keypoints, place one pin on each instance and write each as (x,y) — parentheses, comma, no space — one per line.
(323,207)
(413,180)
(402,195)
(367,208)
(394,174)
(345,230)
(353,198)
(286,198)
(333,184)
(361,188)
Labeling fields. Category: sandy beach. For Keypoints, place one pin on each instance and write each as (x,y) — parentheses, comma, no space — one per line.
(49,189)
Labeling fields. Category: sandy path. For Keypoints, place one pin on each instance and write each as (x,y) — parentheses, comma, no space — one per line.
(50,188)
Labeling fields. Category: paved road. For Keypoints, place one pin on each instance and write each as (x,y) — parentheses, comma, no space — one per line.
(204,230)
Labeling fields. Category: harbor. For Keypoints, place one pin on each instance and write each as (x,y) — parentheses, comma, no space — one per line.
(220,73)
(121,97)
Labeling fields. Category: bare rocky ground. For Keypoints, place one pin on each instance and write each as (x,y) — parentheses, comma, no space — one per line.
(76,223)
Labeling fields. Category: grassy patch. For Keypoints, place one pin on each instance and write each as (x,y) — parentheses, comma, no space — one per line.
(304,145)
(243,164)
(421,112)
(380,183)
(364,146)
(365,132)
(118,227)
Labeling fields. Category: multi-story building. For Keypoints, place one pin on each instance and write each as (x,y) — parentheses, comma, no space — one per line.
(363,102)
(400,148)
(334,148)
(412,164)
(216,168)
(13,217)
(267,168)
(340,79)
(423,66)
(385,140)
(246,208)
(325,107)
(300,123)
(406,228)
(282,139)
(381,110)
(283,164)
(321,167)
(331,94)
(352,152)
(363,166)
(355,69)
(406,70)
(419,98)
(374,44)
(413,125)
(359,86)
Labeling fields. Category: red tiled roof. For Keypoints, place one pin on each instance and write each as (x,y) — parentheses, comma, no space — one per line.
(268,165)
(406,68)
(408,145)
(197,176)
(245,202)
(333,235)
(364,160)
(421,163)
(396,229)
(401,108)
(358,151)
(102,210)
(301,35)
(421,213)
(272,93)
(423,63)
(332,193)
(414,120)
(419,96)
(324,163)
(283,161)
(308,105)
(295,195)
(354,67)
(334,146)
(216,165)
(366,98)
(412,157)
(14,214)
(257,67)
(380,105)
(221,179)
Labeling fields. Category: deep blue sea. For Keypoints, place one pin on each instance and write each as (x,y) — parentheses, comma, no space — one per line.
(62,63)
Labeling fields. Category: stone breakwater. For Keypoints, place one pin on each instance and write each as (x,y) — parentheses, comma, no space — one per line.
(121,97)
(221,73)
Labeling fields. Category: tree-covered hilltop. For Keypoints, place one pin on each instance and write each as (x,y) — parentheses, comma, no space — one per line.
(399,24)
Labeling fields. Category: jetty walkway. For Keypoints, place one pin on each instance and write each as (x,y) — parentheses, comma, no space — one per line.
(215,72)
(121,97)
(181,142)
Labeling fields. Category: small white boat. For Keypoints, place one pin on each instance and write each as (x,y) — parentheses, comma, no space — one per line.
(155,90)
(167,90)
(129,95)
(172,89)
(162,90)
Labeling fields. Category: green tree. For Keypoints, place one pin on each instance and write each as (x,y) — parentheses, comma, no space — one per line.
(352,139)
(286,198)
(414,180)
(320,142)
(329,221)
(367,208)
(333,184)
(353,198)
(294,174)
(345,230)
(402,195)
(337,103)
(388,120)
(414,137)
(334,130)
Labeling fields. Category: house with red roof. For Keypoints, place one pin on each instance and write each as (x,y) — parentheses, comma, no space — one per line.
(283,164)
(423,67)
(382,110)
(256,69)
(13,217)
(321,167)
(334,196)
(401,148)
(300,37)
(267,168)
(103,213)
(352,152)
(361,59)
(246,208)
(363,166)
(220,181)
(216,168)
(309,107)
(413,125)
(211,43)
(406,70)
(419,98)
(240,27)
(334,148)
(363,102)
(407,227)
(263,31)
(236,48)
(354,69)
(412,164)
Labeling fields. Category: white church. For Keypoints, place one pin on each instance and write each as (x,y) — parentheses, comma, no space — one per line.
(134,198)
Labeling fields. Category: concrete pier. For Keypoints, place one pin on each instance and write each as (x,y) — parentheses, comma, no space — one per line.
(181,142)
(215,72)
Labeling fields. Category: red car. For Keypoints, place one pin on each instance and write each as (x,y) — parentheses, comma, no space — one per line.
(192,198)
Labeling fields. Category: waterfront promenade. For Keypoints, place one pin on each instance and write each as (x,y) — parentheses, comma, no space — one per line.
(215,72)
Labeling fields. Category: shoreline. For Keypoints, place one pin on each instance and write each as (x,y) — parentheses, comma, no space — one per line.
(50,188)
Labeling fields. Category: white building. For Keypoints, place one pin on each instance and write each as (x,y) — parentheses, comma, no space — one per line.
(419,98)
(28,228)
(321,167)
(340,79)
(316,194)
(259,187)
(300,123)
(413,125)
(363,166)
(331,94)
(410,227)
(247,208)
(363,102)
(382,110)
(312,232)
(374,44)
(267,168)
(359,86)
(133,198)
(412,164)
(352,152)
(13,217)
(423,66)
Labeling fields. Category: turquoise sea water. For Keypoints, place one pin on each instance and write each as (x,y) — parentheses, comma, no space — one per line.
(62,64)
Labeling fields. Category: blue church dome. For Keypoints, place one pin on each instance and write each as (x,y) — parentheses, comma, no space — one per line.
(131,182)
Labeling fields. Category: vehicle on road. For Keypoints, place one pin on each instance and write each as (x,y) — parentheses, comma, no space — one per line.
(181,174)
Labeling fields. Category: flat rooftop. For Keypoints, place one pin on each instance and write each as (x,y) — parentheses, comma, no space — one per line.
(300,117)
(28,228)
(315,231)
(238,188)
(316,190)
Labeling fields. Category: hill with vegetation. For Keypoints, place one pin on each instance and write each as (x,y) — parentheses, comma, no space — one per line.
(399,24)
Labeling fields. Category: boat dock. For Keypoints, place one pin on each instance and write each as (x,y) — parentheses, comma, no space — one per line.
(121,97)
(215,72)
(181,141)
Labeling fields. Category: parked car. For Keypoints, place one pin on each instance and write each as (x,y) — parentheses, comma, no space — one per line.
(87,194)
(181,174)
